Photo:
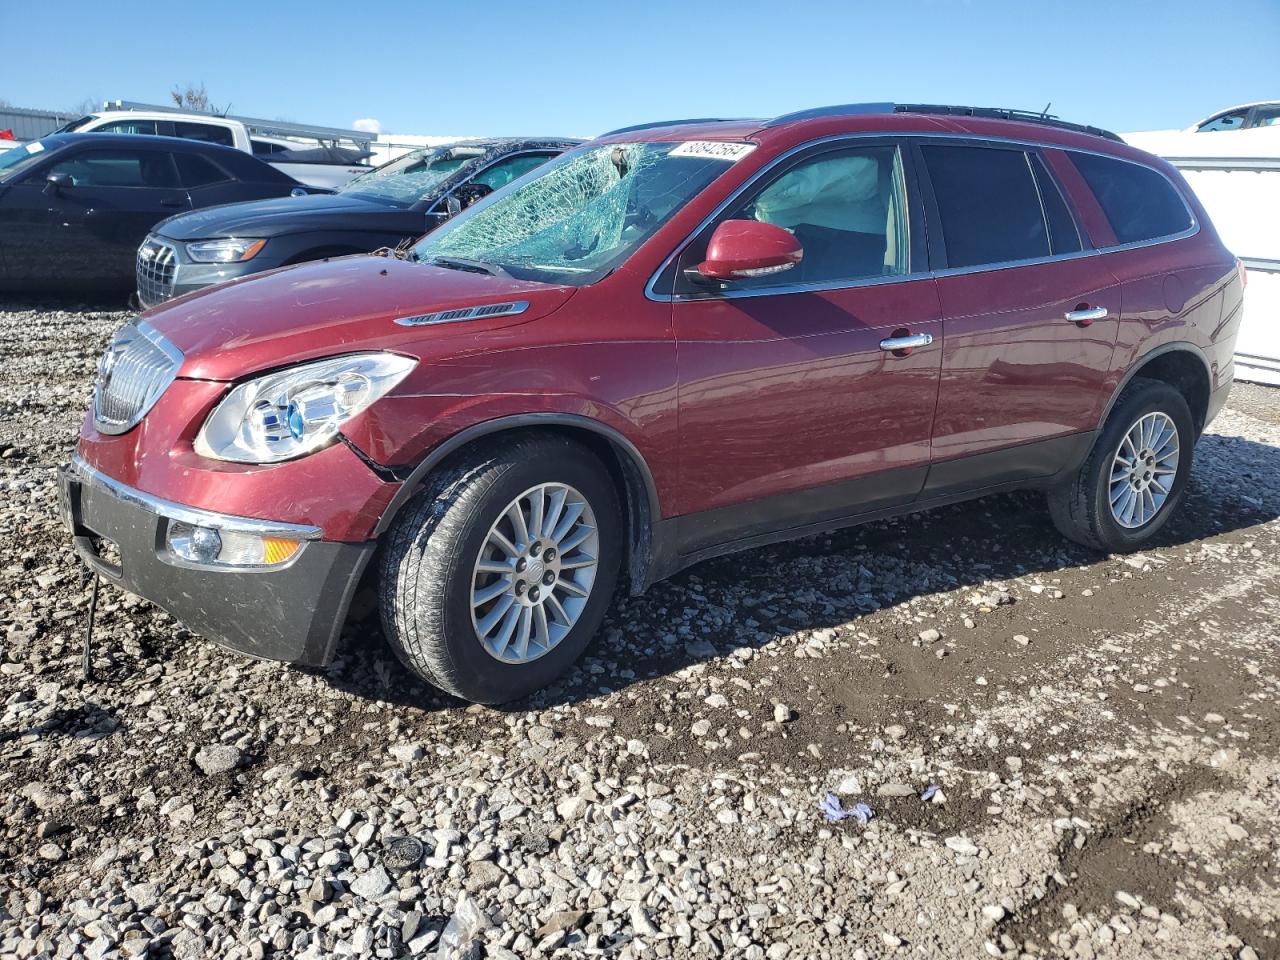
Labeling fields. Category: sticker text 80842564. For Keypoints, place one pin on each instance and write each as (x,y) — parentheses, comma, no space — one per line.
(713,150)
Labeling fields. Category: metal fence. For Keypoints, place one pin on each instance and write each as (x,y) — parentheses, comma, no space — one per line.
(33,124)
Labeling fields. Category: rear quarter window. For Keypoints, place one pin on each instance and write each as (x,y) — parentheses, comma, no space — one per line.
(1140,203)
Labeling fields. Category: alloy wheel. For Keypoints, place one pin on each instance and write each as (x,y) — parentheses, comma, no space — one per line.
(1143,470)
(534,573)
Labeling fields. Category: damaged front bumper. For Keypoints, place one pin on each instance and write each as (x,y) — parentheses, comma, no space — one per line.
(291,611)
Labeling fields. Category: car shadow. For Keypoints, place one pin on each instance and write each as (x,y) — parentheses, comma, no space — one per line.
(824,581)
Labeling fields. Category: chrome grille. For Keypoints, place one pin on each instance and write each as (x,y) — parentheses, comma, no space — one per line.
(156,263)
(136,369)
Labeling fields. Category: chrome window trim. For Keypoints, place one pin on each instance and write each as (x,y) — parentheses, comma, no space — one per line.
(651,294)
(169,510)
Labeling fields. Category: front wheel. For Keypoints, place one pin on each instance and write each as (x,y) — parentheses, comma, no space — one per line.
(495,578)
(1135,476)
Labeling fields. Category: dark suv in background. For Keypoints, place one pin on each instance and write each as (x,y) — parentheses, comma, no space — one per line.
(395,202)
(670,343)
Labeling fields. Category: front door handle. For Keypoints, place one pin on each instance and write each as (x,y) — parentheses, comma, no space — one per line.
(909,342)
(172,203)
(1086,315)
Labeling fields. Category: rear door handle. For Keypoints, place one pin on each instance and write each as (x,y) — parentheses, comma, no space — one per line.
(1087,315)
(172,203)
(894,344)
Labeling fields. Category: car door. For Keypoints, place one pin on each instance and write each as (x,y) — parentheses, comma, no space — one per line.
(1030,320)
(89,229)
(795,406)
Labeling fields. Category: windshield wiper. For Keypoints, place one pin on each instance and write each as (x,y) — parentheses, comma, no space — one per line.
(470,266)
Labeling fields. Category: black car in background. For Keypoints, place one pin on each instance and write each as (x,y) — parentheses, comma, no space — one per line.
(75,207)
(390,204)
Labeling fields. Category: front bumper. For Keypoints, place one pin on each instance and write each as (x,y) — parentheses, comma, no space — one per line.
(293,612)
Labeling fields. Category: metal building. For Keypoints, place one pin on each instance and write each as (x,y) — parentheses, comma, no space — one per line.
(33,124)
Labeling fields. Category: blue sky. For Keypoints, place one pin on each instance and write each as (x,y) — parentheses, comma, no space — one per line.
(505,67)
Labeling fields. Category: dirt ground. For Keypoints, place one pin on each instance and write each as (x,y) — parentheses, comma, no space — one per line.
(1104,731)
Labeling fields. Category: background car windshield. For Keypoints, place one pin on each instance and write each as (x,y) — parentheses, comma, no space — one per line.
(19,158)
(409,179)
(583,216)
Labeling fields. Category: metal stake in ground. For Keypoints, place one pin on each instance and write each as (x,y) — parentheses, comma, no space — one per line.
(86,661)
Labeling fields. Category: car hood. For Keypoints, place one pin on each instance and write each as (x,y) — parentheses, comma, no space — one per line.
(283,215)
(346,305)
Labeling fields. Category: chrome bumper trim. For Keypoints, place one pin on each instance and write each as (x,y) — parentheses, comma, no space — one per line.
(193,515)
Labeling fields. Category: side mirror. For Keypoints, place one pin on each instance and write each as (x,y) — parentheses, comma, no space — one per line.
(56,182)
(740,249)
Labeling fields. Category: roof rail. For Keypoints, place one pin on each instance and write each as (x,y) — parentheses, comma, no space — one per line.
(994,113)
(1004,113)
(674,123)
(839,110)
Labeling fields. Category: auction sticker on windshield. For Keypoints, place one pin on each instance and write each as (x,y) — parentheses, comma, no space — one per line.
(713,150)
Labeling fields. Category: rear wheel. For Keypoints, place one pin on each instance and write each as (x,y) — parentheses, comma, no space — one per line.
(1136,474)
(495,578)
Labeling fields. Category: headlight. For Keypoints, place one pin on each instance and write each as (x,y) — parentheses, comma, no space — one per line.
(231,250)
(294,412)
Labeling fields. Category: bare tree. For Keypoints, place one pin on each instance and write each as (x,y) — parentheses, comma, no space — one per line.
(193,98)
(87,105)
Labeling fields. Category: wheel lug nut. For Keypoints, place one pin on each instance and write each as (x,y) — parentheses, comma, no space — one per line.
(520,585)
(521,564)
(534,593)
(551,555)
(535,547)
(548,578)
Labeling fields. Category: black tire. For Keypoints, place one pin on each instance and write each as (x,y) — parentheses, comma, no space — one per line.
(1081,508)
(427,561)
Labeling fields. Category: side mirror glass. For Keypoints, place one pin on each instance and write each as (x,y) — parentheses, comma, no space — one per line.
(56,182)
(741,249)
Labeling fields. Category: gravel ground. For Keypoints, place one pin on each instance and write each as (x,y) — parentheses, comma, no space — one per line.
(1103,731)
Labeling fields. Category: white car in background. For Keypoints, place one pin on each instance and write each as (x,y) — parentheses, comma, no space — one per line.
(1231,159)
(312,162)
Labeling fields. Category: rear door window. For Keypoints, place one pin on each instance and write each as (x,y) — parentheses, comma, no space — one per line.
(206,132)
(119,168)
(988,204)
(1140,203)
(197,171)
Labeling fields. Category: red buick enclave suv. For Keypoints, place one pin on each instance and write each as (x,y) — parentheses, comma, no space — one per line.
(672,342)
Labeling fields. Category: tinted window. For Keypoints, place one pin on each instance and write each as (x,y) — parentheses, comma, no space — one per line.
(510,168)
(1266,117)
(119,168)
(1063,235)
(1140,203)
(207,132)
(128,126)
(1227,121)
(988,204)
(848,210)
(196,171)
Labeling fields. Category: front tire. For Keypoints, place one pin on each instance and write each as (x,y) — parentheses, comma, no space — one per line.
(495,577)
(1136,475)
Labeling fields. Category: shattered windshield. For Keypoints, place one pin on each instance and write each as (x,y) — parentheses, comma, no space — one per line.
(407,180)
(585,212)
